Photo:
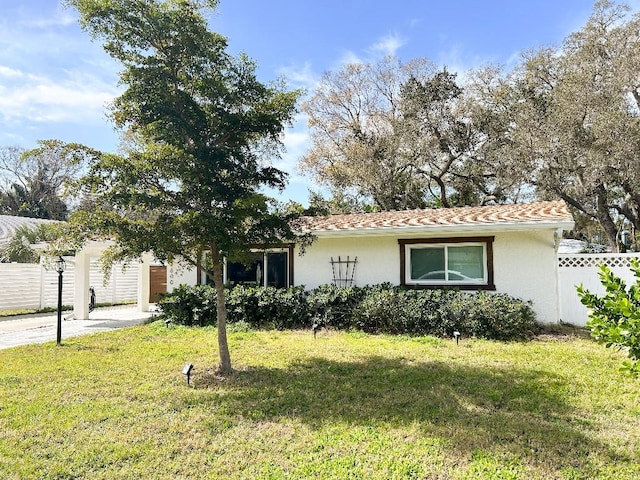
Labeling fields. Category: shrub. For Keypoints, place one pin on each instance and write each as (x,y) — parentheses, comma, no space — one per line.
(614,318)
(500,317)
(242,305)
(386,309)
(441,312)
(332,306)
(380,311)
(280,308)
(190,305)
(372,309)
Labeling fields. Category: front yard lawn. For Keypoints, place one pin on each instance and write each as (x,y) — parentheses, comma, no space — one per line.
(346,405)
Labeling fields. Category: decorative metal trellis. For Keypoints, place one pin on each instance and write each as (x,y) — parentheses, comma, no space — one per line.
(343,271)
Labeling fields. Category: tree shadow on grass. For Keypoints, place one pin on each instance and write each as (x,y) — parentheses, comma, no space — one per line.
(502,410)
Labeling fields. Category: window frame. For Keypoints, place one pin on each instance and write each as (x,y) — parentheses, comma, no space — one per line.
(406,244)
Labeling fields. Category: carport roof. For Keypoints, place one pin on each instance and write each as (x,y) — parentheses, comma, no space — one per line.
(9,224)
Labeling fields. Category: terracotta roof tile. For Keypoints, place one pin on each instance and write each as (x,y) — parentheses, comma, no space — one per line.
(512,214)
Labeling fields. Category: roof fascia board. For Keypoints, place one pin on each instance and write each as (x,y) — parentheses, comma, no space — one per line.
(446,229)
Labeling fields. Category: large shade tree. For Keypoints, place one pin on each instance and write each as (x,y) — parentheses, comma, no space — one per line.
(400,135)
(204,127)
(443,144)
(567,120)
(355,120)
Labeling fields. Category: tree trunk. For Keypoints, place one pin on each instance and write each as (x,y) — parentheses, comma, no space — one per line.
(604,218)
(224,367)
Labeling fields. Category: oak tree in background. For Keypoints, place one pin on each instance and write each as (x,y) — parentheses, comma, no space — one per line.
(569,119)
(205,126)
(400,135)
(355,120)
(443,144)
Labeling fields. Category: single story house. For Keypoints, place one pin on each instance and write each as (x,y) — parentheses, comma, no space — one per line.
(509,249)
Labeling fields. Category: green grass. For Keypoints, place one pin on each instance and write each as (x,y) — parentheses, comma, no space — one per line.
(115,406)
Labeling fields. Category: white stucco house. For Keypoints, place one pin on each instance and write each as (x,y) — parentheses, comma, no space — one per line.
(509,249)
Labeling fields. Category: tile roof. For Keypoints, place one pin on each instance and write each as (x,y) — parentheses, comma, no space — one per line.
(519,215)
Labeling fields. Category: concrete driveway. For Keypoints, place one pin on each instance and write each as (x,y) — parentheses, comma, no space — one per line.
(30,329)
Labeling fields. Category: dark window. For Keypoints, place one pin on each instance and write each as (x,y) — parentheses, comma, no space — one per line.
(249,272)
(267,268)
(276,269)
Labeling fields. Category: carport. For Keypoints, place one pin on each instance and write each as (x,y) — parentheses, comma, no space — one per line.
(82,284)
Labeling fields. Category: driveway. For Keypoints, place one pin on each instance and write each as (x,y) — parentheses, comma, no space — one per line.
(30,329)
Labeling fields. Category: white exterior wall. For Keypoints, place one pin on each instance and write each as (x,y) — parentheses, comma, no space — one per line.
(178,274)
(378,260)
(524,264)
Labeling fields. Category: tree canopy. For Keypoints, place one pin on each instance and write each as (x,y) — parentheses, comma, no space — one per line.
(568,119)
(205,130)
(356,133)
(32,182)
(563,123)
(401,135)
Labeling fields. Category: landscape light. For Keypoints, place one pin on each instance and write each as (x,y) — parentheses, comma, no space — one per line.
(456,336)
(60,267)
(187,371)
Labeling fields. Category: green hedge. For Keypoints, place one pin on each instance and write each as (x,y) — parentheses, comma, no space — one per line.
(373,309)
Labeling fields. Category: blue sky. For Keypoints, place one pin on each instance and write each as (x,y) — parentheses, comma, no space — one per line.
(55,83)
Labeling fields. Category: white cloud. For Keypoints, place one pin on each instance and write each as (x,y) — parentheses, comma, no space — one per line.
(385,46)
(77,97)
(9,72)
(349,57)
(388,45)
(301,76)
(456,60)
(60,19)
(296,141)
(50,72)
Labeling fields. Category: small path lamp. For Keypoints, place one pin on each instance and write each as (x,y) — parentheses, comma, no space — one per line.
(60,267)
(187,372)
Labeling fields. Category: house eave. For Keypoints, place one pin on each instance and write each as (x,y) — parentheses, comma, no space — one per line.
(444,229)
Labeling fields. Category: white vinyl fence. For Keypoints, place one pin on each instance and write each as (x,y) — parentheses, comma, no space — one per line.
(25,285)
(576,269)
